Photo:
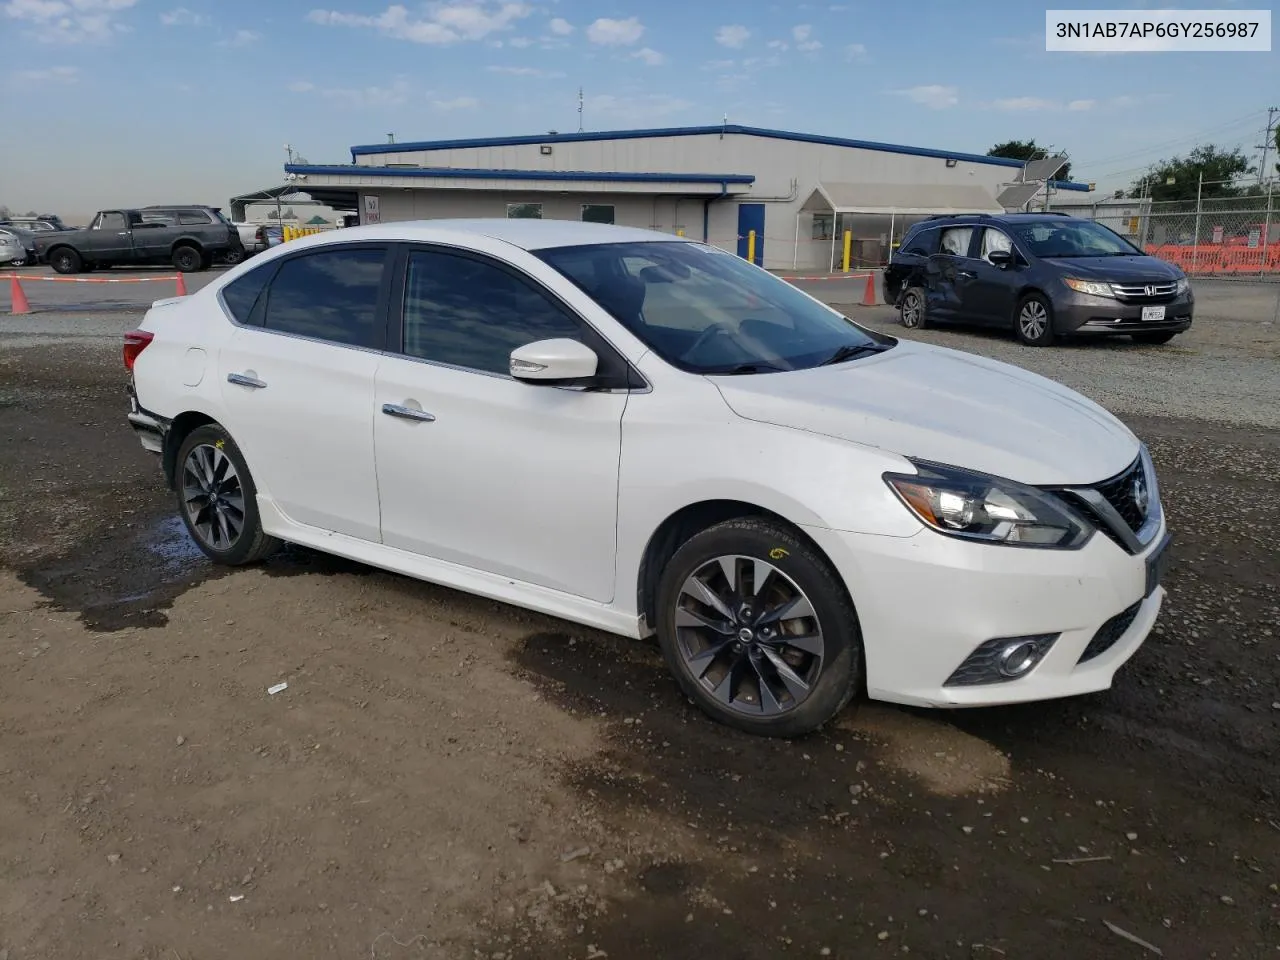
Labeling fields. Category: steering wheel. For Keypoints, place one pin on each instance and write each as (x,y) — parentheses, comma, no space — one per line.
(716,329)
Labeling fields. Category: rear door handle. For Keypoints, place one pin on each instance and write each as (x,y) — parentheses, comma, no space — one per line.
(246,381)
(407,413)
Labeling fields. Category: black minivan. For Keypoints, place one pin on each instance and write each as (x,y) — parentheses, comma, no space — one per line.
(1045,275)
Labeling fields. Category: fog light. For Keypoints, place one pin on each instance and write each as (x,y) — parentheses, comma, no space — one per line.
(1001,660)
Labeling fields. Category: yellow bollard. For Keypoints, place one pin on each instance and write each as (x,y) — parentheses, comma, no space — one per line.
(751,246)
(848,246)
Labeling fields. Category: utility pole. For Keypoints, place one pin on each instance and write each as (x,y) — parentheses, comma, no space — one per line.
(1267,139)
(579,109)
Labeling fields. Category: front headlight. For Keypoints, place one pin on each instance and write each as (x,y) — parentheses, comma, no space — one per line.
(1092,287)
(1183,285)
(975,506)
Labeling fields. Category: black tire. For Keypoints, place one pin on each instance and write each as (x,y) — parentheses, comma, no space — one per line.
(913,308)
(1033,320)
(838,673)
(232,257)
(188,259)
(1155,339)
(65,260)
(251,544)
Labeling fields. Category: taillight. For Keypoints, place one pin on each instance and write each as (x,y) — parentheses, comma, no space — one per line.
(260,235)
(135,341)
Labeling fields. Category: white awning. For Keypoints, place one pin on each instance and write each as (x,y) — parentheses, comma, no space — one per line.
(910,199)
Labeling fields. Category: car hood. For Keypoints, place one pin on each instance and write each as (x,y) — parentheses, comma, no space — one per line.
(929,402)
(1116,269)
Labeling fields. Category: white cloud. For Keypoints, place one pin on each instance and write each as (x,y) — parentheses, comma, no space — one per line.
(442,23)
(718,64)
(457,103)
(302,86)
(182,17)
(932,95)
(1025,103)
(526,72)
(1077,106)
(734,35)
(639,109)
(800,33)
(652,57)
(777,45)
(855,51)
(809,45)
(242,38)
(561,27)
(519,42)
(49,75)
(612,33)
(69,21)
(395,95)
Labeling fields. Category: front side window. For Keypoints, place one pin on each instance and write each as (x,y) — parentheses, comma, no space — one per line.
(707,311)
(1068,237)
(112,221)
(330,295)
(993,240)
(524,211)
(470,313)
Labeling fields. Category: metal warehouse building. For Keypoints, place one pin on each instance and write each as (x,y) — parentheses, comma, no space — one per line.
(797,193)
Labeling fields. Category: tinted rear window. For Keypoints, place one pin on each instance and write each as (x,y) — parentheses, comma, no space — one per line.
(242,293)
(922,243)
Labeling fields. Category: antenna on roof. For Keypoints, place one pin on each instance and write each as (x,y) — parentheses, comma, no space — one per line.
(579,109)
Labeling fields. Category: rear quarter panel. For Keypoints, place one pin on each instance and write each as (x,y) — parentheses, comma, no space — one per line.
(175,373)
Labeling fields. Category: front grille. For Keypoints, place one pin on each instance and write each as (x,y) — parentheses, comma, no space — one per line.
(1109,633)
(1145,292)
(1119,493)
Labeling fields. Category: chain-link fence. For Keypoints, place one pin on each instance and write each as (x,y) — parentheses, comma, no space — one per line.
(1234,236)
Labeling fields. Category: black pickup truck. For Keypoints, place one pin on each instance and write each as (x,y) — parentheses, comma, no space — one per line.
(189,237)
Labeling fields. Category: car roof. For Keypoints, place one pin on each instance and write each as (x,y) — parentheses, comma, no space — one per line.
(528,234)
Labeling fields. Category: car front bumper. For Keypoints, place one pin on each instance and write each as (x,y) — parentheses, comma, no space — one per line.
(1083,314)
(925,603)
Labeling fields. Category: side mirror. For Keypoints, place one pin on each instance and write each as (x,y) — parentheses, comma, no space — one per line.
(1001,258)
(559,362)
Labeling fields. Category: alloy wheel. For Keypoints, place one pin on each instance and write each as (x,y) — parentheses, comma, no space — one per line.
(213,497)
(1033,320)
(911,310)
(749,635)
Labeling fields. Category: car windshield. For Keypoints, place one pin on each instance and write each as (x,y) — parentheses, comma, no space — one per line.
(1067,237)
(708,311)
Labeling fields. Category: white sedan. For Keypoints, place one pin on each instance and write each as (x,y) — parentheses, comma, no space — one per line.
(645,434)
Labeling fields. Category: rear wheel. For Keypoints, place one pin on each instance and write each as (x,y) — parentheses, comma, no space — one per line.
(1034,321)
(188,259)
(1153,338)
(218,500)
(913,309)
(65,260)
(758,630)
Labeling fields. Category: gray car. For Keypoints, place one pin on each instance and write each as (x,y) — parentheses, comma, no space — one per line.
(1044,275)
(13,253)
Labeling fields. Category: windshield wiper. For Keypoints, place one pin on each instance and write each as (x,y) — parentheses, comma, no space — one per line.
(851,351)
(753,367)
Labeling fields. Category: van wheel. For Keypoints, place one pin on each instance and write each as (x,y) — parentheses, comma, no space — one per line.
(1034,321)
(187,259)
(913,309)
(65,260)
(758,629)
(218,500)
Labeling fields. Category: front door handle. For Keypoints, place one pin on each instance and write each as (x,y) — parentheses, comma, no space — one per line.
(246,381)
(968,273)
(407,413)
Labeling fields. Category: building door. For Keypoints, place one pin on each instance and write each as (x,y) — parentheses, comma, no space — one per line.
(751,217)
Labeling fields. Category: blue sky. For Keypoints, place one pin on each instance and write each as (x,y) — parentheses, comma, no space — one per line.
(117,102)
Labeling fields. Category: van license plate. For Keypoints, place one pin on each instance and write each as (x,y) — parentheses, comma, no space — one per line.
(1152,313)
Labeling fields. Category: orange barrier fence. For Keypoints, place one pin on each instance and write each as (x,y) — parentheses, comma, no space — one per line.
(1220,258)
(18,297)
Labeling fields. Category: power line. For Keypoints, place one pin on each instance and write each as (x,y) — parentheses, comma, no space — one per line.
(1169,143)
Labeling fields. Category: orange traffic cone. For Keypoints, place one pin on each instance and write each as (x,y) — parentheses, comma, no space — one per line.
(182,285)
(869,294)
(19,298)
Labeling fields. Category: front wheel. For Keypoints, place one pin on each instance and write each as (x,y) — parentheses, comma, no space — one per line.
(1034,321)
(1153,338)
(218,500)
(758,629)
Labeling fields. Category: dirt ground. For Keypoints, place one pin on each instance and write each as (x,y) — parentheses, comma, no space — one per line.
(446,777)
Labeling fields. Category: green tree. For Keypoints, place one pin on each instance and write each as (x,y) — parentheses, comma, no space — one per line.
(1026,150)
(1218,167)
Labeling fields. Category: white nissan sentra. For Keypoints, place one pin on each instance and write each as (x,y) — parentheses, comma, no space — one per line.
(648,435)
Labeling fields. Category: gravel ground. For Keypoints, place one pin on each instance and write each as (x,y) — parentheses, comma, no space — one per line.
(446,777)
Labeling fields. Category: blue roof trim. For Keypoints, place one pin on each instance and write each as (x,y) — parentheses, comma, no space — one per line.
(493,174)
(383,148)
